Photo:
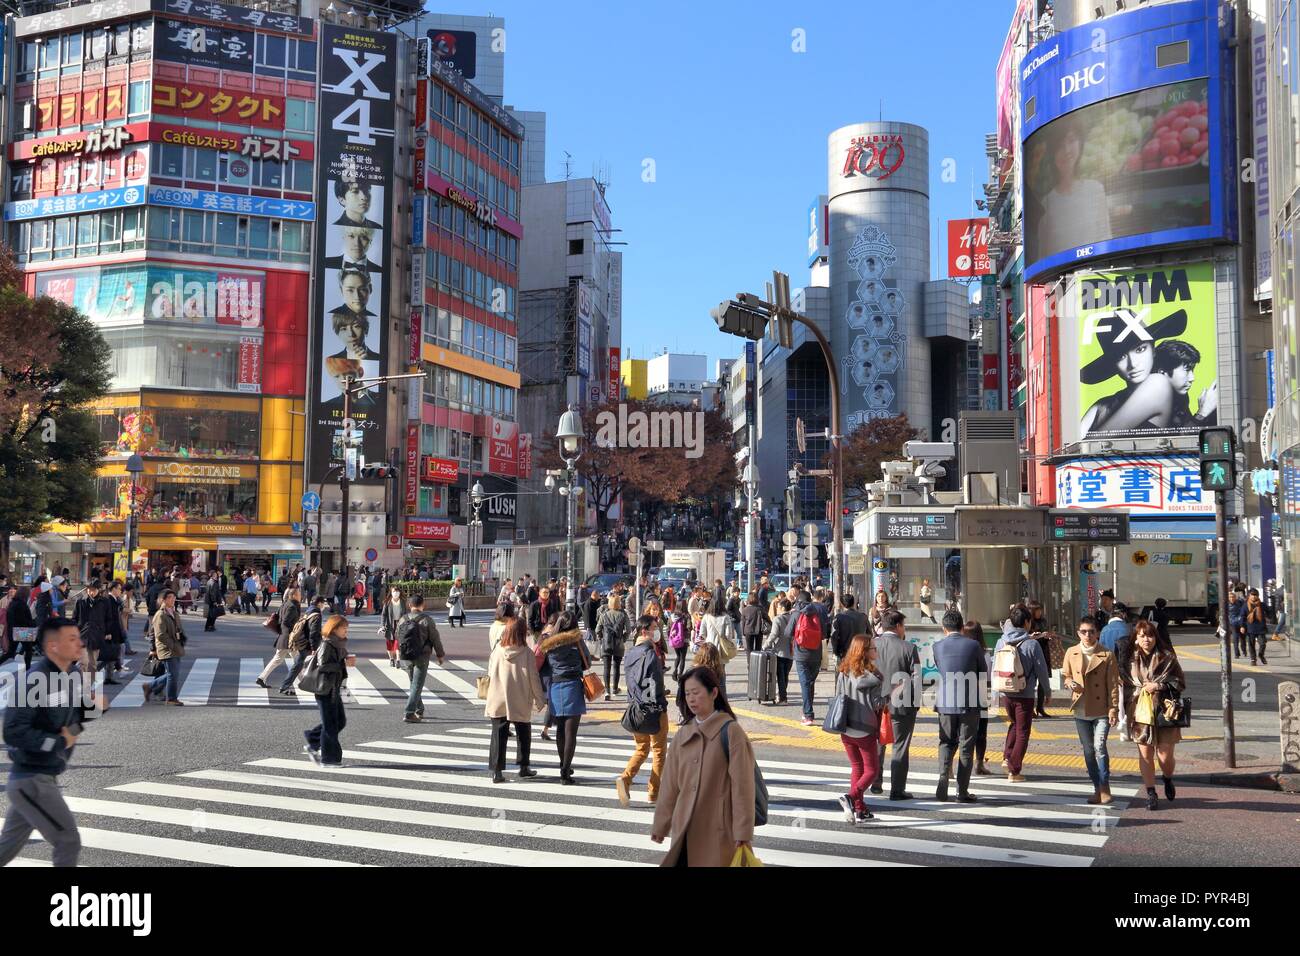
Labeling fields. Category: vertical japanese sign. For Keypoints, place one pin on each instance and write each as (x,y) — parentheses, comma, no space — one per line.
(412,468)
(615,364)
(503,446)
(525,461)
(358,80)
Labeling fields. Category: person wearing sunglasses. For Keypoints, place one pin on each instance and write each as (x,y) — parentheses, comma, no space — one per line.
(1091,674)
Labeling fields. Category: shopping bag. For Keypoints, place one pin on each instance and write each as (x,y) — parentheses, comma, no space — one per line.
(481,685)
(1145,711)
(744,856)
(886,727)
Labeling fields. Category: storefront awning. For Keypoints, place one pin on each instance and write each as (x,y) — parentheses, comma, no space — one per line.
(259,543)
(1199,530)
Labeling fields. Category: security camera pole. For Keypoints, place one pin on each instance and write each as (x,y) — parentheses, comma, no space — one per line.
(352,385)
(750,317)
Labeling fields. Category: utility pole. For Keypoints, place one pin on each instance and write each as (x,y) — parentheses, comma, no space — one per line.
(1218,450)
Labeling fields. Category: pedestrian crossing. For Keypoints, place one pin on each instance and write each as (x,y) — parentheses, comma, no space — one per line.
(232,682)
(428,798)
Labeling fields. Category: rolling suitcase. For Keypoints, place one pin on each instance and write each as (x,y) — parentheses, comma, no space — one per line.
(762,677)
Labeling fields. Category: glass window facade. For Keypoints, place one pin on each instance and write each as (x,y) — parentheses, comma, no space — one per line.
(162,500)
(165,359)
(1284,175)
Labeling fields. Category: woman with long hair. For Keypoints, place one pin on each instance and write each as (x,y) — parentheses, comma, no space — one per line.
(1256,627)
(706,804)
(717,624)
(565,659)
(456,603)
(879,606)
(505,617)
(323,745)
(679,638)
(669,601)
(708,655)
(1155,672)
(394,609)
(860,682)
(514,692)
(612,630)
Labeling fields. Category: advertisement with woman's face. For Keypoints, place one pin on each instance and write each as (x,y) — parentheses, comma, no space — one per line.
(1132,165)
(1146,352)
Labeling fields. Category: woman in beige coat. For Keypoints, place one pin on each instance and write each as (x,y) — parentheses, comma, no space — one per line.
(707,801)
(1091,674)
(514,692)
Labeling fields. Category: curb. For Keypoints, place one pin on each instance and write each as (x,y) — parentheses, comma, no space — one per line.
(1254,780)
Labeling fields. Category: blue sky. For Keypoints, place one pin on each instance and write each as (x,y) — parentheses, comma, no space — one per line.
(736,123)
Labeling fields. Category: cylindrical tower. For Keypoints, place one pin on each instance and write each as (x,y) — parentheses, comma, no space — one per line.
(879,215)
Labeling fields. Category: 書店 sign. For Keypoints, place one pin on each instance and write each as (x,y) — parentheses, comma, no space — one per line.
(1170,486)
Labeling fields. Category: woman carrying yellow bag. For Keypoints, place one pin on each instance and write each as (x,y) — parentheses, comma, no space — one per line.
(744,856)
(1154,676)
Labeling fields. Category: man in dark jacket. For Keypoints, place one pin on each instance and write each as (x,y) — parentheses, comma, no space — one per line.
(807,660)
(645,688)
(40,732)
(848,622)
(544,610)
(306,641)
(290,611)
(157,585)
(430,646)
(214,598)
(97,617)
(963,672)
(900,664)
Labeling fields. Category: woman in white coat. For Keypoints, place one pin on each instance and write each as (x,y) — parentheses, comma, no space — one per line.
(456,603)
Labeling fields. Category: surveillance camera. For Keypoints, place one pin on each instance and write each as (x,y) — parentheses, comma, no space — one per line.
(929,451)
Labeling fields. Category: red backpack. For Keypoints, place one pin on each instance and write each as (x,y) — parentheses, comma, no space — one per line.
(808,630)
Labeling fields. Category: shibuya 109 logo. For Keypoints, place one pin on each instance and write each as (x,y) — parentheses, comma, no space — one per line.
(878,155)
(638,429)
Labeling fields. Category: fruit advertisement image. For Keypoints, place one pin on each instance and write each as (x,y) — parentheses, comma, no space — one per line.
(1131,165)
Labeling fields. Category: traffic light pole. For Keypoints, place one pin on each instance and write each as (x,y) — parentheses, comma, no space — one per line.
(1225,630)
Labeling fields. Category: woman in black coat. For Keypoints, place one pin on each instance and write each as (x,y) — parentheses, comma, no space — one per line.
(18,614)
(289,614)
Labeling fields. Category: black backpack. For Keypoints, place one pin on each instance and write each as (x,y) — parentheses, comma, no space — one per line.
(410,639)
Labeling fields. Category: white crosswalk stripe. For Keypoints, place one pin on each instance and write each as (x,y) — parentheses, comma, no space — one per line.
(430,796)
(402,681)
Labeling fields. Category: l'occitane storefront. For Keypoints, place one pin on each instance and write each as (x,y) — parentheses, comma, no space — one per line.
(221,483)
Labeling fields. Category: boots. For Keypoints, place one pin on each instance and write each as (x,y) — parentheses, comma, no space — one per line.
(1152,800)
(1170,793)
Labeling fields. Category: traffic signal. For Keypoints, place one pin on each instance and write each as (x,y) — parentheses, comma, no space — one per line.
(1218,448)
(380,470)
(745,318)
(308,536)
(791,506)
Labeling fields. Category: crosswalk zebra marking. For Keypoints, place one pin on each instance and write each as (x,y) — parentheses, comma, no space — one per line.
(250,695)
(338,836)
(193,851)
(363,692)
(470,666)
(448,679)
(401,679)
(495,823)
(197,688)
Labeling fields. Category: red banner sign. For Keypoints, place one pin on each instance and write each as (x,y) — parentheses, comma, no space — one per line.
(442,471)
(525,461)
(412,468)
(210,103)
(968,248)
(503,447)
(990,373)
(615,370)
(417,334)
(428,529)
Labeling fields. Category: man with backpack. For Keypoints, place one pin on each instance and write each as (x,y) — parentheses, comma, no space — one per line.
(809,627)
(647,711)
(417,641)
(304,639)
(1018,666)
(900,664)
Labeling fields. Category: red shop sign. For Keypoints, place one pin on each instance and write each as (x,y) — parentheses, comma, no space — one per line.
(442,470)
(428,529)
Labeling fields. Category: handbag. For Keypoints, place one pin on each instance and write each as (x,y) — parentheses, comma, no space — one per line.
(1174,712)
(836,720)
(639,719)
(592,686)
(312,680)
(886,723)
(1145,710)
(153,667)
(272,623)
(726,647)
(481,685)
(744,856)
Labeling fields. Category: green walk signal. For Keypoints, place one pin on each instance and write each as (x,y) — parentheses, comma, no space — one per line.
(1218,448)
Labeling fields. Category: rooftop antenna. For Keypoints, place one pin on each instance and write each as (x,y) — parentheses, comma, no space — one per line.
(568,164)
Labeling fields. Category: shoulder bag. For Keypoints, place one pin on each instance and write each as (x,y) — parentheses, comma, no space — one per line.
(1174,712)
(760,785)
(836,720)
(152,667)
(272,623)
(312,680)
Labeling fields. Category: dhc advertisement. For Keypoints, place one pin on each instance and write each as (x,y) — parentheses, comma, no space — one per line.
(1125,136)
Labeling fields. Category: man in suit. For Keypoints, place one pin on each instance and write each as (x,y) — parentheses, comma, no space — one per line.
(356,246)
(354,197)
(848,621)
(963,672)
(897,659)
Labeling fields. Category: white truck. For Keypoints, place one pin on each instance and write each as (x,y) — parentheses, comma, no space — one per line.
(1174,570)
(691,566)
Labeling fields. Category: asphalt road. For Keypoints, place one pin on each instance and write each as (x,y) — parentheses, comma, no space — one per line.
(223,781)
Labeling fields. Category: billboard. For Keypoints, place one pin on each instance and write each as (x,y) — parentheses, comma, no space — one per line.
(1145,345)
(456,48)
(503,448)
(818,241)
(129,294)
(194,45)
(208,103)
(358,79)
(1140,486)
(968,248)
(1124,139)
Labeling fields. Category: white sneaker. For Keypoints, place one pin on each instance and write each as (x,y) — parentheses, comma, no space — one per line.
(314,755)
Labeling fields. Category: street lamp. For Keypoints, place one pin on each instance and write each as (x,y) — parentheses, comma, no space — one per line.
(570,436)
(134,468)
(476,496)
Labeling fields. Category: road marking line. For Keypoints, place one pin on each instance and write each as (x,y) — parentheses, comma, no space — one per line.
(402,681)
(494,823)
(494,800)
(194,851)
(250,695)
(363,692)
(332,836)
(197,689)
(461,686)
(469,666)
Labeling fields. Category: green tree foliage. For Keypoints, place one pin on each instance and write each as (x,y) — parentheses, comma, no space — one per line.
(53,365)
